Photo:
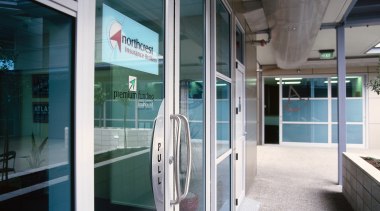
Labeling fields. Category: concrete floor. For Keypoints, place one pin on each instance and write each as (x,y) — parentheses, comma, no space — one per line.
(297,178)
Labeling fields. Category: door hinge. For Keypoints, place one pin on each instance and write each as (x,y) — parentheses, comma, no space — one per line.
(236,202)
(237,110)
(237,156)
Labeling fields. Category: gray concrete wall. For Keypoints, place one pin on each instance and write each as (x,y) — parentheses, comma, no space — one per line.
(251,115)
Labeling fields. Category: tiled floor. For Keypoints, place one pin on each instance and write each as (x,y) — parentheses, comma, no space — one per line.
(297,178)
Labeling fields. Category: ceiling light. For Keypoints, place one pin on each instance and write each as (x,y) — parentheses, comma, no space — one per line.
(335,82)
(290,82)
(373,51)
(288,79)
(378,45)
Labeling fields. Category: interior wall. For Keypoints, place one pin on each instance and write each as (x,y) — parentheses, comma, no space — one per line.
(373,100)
(373,120)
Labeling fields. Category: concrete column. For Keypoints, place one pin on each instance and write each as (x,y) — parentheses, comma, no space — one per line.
(341,69)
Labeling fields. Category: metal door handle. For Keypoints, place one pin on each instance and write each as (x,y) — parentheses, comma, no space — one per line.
(178,118)
(189,157)
(176,145)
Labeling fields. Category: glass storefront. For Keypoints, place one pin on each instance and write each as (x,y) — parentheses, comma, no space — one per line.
(36,71)
(309,110)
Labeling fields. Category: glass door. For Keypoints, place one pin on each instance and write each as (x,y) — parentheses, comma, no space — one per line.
(130,105)
(142,145)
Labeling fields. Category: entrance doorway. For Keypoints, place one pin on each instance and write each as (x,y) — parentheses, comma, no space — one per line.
(271,111)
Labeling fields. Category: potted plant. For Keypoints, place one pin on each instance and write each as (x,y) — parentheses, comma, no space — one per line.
(374,84)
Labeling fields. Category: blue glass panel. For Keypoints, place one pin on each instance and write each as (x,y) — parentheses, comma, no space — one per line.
(305,133)
(354,134)
(305,110)
(354,110)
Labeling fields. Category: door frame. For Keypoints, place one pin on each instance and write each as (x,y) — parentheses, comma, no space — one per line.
(240,69)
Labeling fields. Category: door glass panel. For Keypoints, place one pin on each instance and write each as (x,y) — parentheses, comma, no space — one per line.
(129,92)
(223,191)
(239,45)
(191,96)
(223,118)
(36,67)
(223,39)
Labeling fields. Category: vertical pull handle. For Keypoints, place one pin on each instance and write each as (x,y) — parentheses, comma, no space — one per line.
(189,157)
(178,119)
(176,154)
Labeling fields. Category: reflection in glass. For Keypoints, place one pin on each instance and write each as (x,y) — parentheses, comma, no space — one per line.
(354,86)
(223,118)
(304,87)
(223,39)
(223,188)
(129,89)
(35,104)
(192,73)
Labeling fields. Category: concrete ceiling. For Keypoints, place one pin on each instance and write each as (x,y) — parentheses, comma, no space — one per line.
(359,39)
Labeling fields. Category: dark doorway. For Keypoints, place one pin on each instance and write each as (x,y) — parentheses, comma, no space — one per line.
(271,111)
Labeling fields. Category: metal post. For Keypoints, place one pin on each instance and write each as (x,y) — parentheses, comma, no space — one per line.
(341,69)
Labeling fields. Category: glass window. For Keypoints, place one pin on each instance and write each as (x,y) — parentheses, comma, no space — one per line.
(223,122)
(223,188)
(223,39)
(239,45)
(36,69)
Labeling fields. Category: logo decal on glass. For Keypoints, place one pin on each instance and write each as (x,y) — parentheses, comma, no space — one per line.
(115,35)
(132,83)
(127,43)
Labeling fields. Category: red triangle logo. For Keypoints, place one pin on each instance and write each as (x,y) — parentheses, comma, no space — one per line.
(117,37)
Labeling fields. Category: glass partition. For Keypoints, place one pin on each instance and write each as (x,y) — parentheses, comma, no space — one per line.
(36,71)
(310,108)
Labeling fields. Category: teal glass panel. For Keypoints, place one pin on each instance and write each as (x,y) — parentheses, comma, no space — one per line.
(354,134)
(223,124)
(354,110)
(305,133)
(223,187)
(36,101)
(305,110)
